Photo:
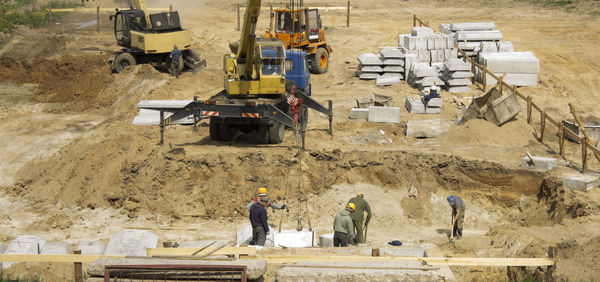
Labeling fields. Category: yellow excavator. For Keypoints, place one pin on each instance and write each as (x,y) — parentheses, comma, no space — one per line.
(149,38)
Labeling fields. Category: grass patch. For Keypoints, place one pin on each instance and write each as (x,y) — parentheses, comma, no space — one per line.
(21,12)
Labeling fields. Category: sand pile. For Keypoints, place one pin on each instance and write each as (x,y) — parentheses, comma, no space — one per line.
(481,132)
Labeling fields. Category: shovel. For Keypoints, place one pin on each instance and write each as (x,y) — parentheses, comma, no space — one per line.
(451,238)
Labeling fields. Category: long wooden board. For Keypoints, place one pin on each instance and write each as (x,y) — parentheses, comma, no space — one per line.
(428,260)
(52,258)
(250,251)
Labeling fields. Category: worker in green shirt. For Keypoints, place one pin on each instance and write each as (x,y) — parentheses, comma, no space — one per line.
(358,216)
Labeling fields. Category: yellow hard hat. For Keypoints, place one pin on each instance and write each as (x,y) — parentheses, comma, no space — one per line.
(359,194)
(351,205)
(262,190)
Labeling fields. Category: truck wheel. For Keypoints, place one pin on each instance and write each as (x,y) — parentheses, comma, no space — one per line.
(122,61)
(320,61)
(226,131)
(263,134)
(215,128)
(276,132)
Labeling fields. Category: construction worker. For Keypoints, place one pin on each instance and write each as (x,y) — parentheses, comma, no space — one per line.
(358,216)
(458,215)
(174,66)
(343,230)
(262,192)
(258,219)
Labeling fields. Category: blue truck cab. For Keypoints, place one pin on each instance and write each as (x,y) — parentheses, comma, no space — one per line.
(296,70)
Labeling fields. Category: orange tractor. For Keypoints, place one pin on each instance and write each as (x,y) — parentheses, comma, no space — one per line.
(302,29)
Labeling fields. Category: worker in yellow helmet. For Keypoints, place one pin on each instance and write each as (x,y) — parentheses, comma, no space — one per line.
(262,192)
(358,216)
(343,230)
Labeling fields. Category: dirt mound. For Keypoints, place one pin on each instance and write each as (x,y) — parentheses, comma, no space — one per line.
(562,202)
(482,132)
(76,81)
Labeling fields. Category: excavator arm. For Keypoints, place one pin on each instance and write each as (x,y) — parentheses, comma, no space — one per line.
(245,54)
(141,5)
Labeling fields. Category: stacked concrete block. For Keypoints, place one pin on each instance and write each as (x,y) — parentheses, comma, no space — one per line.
(393,62)
(505,46)
(456,75)
(470,36)
(416,105)
(427,46)
(520,68)
(370,66)
(423,76)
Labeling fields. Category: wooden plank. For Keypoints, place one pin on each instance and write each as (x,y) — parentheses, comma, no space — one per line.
(52,258)
(103,10)
(429,260)
(250,251)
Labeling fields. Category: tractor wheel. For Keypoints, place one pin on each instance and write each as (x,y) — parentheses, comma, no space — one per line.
(226,131)
(122,61)
(215,128)
(320,61)
(276,132)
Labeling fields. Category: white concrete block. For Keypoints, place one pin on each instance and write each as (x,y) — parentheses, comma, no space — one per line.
(359,113)
(459,74)
(368,75)
(369,59)
(435,103)
(539,163)
(393,69)
(410,43)
(91,247)
(404,252)
(433,110)
(579,182)
(326,240)
(469,46)
(131,242)
(414,105)
(393,74)
(438,67)
(444,28)
(204,243)
(518,79)
(457,65)
(384,114)
(402,40)
(24,244)
(473,26)
(366,68)
(488,47)
(459,89)
(426,128)
(56,248)
(480,35)
(505,46)
(392,53)
(423,70)
(420,42)
(441,42)
(450,54)
(424,55)
(388,80)
(430,81)
(421,31)
(295,239)
(430,42)
(393,62)
(458,82)
(450,41)
(511,62)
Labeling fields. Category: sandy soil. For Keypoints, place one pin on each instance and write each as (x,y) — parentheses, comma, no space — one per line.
(74,168)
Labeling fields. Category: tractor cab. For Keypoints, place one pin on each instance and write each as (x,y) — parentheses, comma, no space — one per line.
(303,26)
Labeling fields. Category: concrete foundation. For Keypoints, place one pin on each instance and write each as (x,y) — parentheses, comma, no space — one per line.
(296,239)
(403,252)
(56,248)
(384,114)
(91,247)
(131,242)
(388,80)
(369,59)
(359,113)
(457,65)
(426,128)
(579,182)
(539,163)
(326,240)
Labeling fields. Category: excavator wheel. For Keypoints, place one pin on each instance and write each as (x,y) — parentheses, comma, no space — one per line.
(276,132)
(122,61)
(320,61)
(215,128)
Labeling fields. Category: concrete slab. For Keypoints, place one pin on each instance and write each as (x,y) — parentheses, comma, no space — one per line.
(451,53)
(458,82)
(393,74)
(539,163)
(579,182)
(518,79)
(24,244)
(426,128)
(56,248)
(438,67)
(359,113)
(365,69)
(393,62)
(392,53)
(244,235)
(488,47)
(459,89)
(457,65)
(511,62)
(369,59)
(152,117)
(393,69)
(423,70)
(469,46)
(458,74)
(368,75)
(255,268)
(326,240)
(421,31)
(131,242)
(296,239)
(388,80)
(384,114)
(472,26)
(91,247)
(430,81)
(479,35)
(414,105)
(505,46)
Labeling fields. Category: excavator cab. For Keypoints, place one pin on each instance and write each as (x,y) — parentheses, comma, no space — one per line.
(124,22)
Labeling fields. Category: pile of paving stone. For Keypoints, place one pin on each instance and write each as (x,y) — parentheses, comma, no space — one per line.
(474,37)
(422,76)
(456,75)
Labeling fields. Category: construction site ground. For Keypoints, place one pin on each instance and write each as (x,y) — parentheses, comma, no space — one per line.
(73,168)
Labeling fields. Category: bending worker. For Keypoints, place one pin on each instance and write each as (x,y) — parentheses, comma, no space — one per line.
(262,192)
(342,226)
(358,216)
(258,219)
(458,215)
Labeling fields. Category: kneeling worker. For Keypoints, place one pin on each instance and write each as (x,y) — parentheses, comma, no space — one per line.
(343,227)
(262,192)
(458,215)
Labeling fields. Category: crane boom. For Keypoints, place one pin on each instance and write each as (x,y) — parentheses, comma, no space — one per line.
(245,54)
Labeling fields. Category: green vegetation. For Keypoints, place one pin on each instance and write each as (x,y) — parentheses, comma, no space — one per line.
(27,13)
(591,7)
(6,278)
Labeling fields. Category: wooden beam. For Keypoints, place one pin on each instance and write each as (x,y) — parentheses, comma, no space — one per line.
(429,260)
(52,258)
(582,128)
(250,251)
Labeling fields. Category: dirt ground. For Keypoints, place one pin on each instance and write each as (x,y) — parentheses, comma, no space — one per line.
(73,168)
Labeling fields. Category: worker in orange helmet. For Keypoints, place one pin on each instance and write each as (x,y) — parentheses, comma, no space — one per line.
(262,192)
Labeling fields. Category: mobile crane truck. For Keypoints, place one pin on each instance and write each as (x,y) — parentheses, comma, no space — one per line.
(266,89)
(149,38)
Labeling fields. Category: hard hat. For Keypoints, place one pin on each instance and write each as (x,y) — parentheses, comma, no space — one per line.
(262,190)
(450,199)
(359,194)
(351,206)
